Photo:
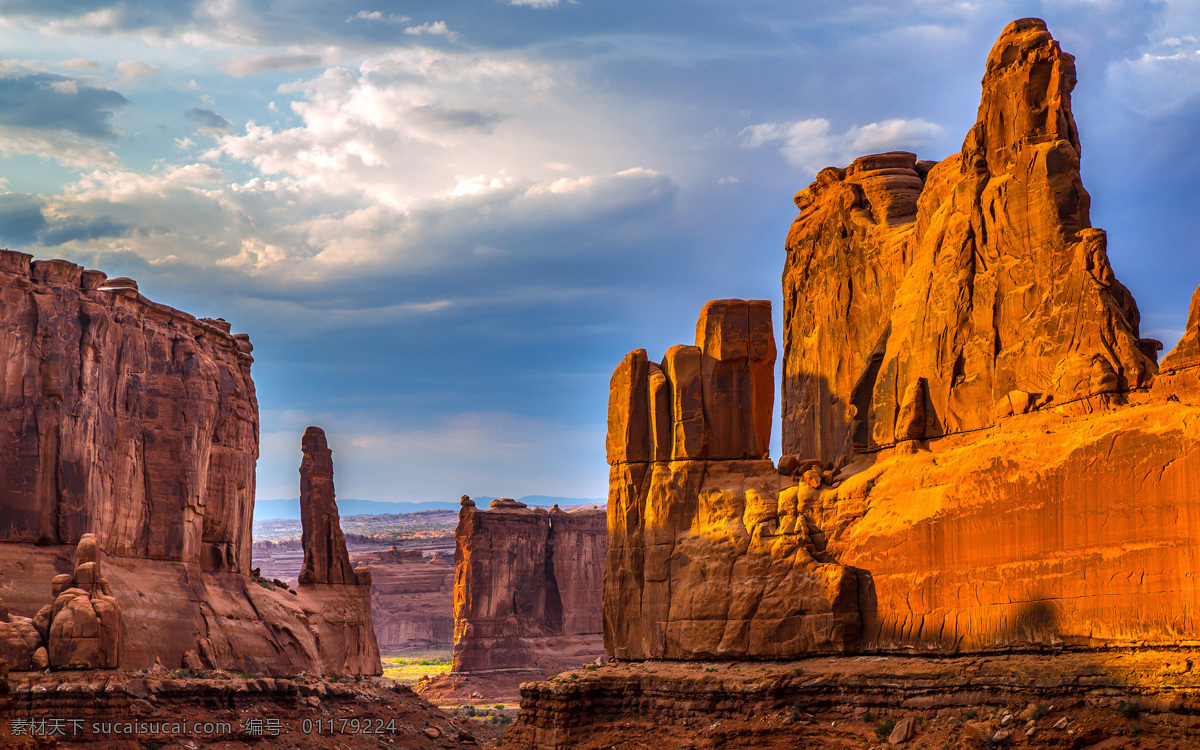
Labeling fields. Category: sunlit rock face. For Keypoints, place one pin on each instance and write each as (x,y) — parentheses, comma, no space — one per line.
(130,430)
(980,275)
(980,450)
(707,556)
(527,588)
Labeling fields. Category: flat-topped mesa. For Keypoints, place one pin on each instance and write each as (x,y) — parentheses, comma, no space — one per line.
(527,588)
(325,556)
(694,507)
(990,289)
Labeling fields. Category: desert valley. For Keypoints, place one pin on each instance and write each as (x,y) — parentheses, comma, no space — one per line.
(977,534)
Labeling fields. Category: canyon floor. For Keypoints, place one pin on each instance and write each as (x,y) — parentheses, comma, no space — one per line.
(186,710)
(1099,700)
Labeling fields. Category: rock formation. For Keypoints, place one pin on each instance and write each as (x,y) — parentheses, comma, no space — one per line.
(130,435)
(980,274)
(85,631)
(980,452)
(527,586)
(122,417)
(325,556)
(709,557)
(412,598)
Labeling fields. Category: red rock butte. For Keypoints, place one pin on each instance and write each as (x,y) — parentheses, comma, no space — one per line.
(527,586)
(980,451)
(130,435)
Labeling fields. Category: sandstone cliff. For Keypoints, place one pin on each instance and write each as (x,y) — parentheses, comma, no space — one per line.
(412,599)
(704,560)
(976,286)
(980,453)
(527,588)
(131,432)
(122,417)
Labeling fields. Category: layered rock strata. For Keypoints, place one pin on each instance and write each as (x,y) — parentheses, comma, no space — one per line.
(131,434)
(172,708)
(527,588)
(980,275)
(412,599)
(708,554)
(1098,700)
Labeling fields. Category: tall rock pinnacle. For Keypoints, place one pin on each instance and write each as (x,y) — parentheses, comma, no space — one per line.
(325,556)
(980,276)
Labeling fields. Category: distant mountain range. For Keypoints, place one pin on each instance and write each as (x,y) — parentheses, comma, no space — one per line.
(290,509)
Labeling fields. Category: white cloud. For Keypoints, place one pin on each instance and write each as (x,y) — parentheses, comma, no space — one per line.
(129,70)
(80,63)
(376,15)
(436,28)
(534,3)
(65,87)
(810,145)
(60,146)
(240,67)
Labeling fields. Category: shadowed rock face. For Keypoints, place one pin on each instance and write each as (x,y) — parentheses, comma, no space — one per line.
(981,274)
(130,432)
(122,417)
(325,556)
(412,598)
(980,451)
(527,588)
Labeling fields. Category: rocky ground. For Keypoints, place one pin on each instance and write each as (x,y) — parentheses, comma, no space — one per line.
(185,710)
(1147,698)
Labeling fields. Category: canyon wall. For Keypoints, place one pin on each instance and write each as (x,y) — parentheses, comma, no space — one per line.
(412,599)
(980,451)
(527,588)
(131,429)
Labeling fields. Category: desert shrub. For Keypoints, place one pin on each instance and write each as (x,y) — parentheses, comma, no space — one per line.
(884,728)
(1127,709)
(866,716)
(1040,711)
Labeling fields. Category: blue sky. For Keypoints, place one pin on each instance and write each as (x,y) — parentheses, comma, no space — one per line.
(443,223)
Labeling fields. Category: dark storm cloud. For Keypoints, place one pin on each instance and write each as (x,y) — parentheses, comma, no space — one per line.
(23,223)
(47,101)
(72,230)
(21,220)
